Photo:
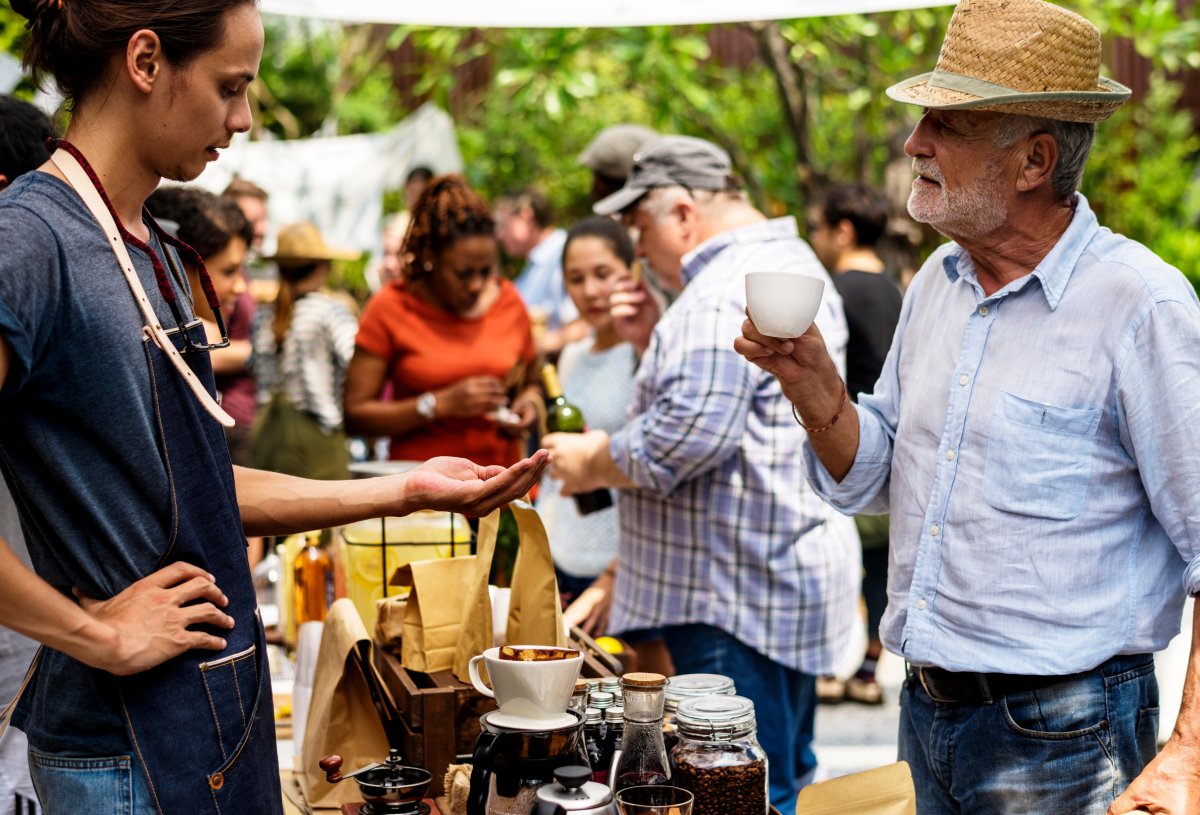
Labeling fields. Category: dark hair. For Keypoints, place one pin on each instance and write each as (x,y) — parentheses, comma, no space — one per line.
(614,235)
(422,174)
(74,40)
(447,211)
(241,188)
(865,209)
(207,222)
(536,200)
(23,133)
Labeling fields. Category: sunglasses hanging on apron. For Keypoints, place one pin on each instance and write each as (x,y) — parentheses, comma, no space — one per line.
(201,725)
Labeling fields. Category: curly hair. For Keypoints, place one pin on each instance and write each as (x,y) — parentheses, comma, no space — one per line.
(207,222)
(447,211)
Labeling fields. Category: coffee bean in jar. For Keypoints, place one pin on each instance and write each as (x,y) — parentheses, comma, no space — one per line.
(718,758)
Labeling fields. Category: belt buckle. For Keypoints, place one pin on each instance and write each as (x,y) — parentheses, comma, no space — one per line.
(929,690)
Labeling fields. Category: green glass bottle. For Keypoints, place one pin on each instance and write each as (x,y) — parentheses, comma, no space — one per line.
(563,417)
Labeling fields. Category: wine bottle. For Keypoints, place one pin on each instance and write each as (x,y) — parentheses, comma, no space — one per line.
(564,417)
(313,581)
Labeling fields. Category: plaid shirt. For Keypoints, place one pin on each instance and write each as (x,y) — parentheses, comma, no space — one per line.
(724,529)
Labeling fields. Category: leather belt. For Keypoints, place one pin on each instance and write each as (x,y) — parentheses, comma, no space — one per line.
(966,688)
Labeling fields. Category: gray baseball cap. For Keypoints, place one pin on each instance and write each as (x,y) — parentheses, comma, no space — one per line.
(670,161)
(611,152)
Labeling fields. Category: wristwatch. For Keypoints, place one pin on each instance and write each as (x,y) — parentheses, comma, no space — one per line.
(427,405)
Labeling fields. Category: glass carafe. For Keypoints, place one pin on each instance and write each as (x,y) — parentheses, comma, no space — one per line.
(643,756)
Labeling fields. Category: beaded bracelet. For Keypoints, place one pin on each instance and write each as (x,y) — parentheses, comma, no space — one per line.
(832,422)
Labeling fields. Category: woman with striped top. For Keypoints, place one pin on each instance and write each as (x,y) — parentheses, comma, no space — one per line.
(302,345)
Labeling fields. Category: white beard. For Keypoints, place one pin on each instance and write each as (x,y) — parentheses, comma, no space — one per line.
(963,212)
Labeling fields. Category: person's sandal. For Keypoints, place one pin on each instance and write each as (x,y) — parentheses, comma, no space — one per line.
(864,691)
(830,690)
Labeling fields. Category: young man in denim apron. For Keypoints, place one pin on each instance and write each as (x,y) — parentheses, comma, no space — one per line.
(153,693)
(1034,435)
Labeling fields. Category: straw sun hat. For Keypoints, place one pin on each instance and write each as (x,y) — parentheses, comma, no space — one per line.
(1017,56)
(303,243)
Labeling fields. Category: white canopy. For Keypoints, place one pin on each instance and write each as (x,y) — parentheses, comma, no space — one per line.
(578,14)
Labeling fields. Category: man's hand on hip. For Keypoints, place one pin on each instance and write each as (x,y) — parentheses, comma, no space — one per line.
(150,621)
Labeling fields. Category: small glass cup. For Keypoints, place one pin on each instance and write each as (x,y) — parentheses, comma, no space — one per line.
(654,800)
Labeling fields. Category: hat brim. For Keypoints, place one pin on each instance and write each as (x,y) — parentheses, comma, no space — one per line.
(620,200)
(1070,106)
(330,253)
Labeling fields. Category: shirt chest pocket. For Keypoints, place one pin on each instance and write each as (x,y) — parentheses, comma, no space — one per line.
(1039,458)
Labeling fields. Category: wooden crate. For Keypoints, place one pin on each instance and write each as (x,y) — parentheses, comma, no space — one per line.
(439,715)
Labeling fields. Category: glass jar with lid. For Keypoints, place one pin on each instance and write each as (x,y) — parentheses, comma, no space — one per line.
(688,686)
(718,758)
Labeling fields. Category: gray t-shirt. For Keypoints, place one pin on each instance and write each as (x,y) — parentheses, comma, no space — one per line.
(79,443)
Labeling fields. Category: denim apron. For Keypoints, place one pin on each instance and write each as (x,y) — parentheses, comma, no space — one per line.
(202,724)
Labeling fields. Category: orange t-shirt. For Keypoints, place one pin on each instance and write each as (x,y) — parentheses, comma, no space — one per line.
(428,348)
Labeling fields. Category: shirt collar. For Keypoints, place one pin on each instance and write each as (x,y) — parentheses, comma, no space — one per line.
(775,229)
(1055,269)
(549,249)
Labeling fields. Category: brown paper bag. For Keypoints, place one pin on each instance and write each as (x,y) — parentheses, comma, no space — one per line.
(433,613)
(534,612)
(448,617)
(882,791)
(342,717)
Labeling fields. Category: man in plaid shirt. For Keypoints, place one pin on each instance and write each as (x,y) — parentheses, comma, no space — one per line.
(723,547)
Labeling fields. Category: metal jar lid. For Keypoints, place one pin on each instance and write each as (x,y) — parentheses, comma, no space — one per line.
(574,792)
(600,699)
(686,686)
(616,713)
(593,716)
(716,718)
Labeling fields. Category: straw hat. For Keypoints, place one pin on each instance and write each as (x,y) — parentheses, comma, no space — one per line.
(302,243)
(1017,56)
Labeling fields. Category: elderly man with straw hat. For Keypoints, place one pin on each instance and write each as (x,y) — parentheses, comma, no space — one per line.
(1034,435)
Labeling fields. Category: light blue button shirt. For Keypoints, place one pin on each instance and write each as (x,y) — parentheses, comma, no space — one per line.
(1040,453)
(541,281)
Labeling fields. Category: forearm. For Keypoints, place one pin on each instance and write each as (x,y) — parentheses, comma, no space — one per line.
(277,504)
(374,417)
(31,606)
(232,359)
(1187,725)
(606,472)
(823,405)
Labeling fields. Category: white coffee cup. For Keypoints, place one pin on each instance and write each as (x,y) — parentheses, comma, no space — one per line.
(533,692)
(783,304)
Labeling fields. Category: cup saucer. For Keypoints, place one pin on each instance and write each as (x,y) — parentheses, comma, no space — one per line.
(510,722)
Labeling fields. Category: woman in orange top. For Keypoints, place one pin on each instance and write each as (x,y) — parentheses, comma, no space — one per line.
(452,337)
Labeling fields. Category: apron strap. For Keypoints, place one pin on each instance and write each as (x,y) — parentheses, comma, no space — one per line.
(6,713)
(153,329)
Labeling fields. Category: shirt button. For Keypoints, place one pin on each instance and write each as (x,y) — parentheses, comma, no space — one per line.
(949,455)
(964,380)
(983,311)
(921,604)
(934,530)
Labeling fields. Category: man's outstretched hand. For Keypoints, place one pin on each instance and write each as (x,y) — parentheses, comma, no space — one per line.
(459,485)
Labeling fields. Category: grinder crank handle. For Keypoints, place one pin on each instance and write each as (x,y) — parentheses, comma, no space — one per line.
(332,766)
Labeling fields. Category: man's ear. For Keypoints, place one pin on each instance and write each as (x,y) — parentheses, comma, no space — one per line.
(685,210)
(3,181)
(1039,157)
(144,59)
(845,235)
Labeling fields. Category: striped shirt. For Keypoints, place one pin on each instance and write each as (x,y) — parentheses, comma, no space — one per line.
(317,348)
(1040,452)
(723,529)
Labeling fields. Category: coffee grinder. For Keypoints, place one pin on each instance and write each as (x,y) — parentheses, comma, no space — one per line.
(511,764)
(389,788)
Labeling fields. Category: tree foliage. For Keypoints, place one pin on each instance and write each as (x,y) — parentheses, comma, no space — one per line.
(807,106)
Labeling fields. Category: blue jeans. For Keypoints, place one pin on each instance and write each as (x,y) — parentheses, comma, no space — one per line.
(785,701)
(114,786)
(1070,747)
